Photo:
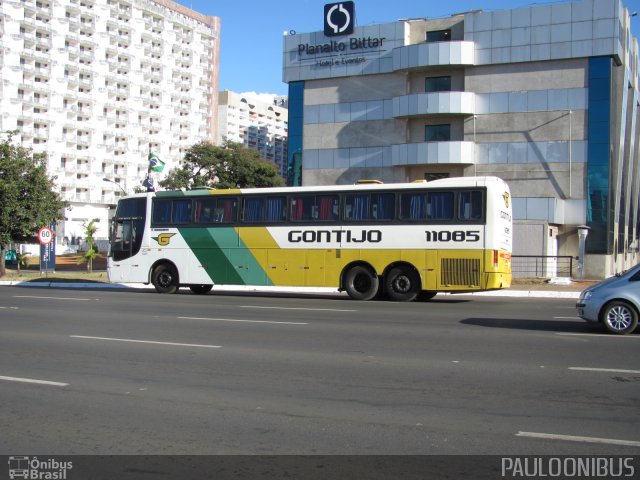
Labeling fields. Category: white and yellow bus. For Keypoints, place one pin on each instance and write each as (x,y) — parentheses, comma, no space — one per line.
(401,241)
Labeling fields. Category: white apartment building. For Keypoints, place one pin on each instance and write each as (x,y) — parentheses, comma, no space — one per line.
(258,124)
(99,84)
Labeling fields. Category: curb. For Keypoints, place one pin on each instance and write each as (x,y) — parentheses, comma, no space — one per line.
(293,290)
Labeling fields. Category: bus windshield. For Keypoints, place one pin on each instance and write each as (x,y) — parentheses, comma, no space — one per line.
(127,228)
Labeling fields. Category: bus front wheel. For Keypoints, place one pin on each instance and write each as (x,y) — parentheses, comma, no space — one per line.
(361,283)
(165,278)
(402,284)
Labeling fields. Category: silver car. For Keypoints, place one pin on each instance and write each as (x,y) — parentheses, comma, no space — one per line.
(614,302)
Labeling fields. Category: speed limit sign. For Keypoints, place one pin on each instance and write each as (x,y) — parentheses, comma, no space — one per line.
(45,235)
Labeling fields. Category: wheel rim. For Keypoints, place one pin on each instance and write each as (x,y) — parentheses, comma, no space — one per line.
(165,279)
(402,284)
(619,318)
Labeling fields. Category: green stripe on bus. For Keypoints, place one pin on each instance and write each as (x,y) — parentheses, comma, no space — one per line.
(226,259)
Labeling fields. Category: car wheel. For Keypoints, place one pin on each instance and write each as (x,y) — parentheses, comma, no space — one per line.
(361,283)
(165,278)
(200,289)
(619,317)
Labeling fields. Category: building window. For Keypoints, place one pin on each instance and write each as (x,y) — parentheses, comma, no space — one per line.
(437,133)
(438,36)
(437,84)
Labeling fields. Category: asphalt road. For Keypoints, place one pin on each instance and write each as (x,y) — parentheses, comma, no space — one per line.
(135,372)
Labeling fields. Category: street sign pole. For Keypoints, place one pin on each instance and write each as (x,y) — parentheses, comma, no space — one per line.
(46,237)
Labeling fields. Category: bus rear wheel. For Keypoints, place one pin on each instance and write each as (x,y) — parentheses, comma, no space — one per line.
(402,284)
(200,289)
(361,283)
(165,278)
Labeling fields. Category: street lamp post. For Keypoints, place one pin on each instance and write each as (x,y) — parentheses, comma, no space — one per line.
(115,183)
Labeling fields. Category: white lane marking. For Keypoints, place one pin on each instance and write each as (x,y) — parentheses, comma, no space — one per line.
(241,321)
(610,370)
(145,341)
(53,298)
(8,308)
(32,380)
(607,335)
(296,308)
(572,438)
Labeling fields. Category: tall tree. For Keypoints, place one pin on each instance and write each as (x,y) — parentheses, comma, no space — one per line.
(27,198)
(227,166)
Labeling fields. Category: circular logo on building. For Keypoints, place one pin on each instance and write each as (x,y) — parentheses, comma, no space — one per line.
(339,18)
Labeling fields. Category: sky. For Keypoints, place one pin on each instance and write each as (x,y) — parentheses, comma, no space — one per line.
(252,30)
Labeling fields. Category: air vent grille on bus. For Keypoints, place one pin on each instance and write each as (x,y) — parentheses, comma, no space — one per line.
(460,271)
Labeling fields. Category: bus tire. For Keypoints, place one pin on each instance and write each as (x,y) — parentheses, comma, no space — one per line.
(165,278)
(200,289)
(402,284)
(361,283)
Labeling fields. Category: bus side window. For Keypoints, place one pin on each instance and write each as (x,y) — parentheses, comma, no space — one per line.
(440,205)
(161,211)
(252,211)
(276,209)
(413,206)
(321,208)
(181,211)
(356,207)
(470,205)
(383,206)
(302,209)
(226,210)
(203,209)
(295,208)
(328,207)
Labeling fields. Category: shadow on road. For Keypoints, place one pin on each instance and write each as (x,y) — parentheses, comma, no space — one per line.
(565,326)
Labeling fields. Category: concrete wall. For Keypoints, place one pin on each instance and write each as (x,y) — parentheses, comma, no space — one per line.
(512,77)
(354,89)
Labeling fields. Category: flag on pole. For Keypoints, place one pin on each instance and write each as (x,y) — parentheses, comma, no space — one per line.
(155,163)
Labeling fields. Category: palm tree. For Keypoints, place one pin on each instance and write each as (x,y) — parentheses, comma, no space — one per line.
(92,249)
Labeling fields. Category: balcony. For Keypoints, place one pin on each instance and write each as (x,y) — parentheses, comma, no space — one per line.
(86,55)
(433,54)
(42,73)
(83,168)
(435,103)
(41,133)
(44,43)
(26,132)
(433,153)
